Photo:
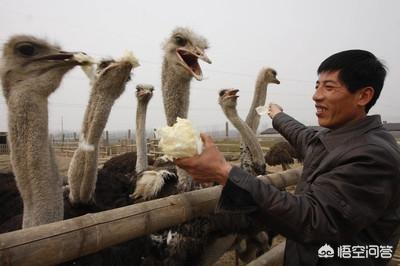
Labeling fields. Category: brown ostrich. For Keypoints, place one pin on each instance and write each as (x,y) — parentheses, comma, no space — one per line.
(33,69)
(282,153)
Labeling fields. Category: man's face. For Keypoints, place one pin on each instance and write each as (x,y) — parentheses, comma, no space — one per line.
(335,105)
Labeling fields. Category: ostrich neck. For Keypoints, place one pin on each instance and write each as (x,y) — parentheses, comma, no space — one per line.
(141,145)
(176,92)
(99,116)
(259,98)
(30,150)
(247,135)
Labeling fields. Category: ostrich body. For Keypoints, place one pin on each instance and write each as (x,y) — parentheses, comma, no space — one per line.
(144,93)
(282,153)
(228,102)
(108,86)
(33,69)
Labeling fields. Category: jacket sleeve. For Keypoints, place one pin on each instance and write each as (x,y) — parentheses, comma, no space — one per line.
(293,131)
(338,205)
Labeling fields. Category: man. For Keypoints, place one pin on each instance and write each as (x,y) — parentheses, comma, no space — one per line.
(349,193)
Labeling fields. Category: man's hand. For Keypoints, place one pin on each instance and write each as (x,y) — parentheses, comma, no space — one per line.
(209,166)
(274,109)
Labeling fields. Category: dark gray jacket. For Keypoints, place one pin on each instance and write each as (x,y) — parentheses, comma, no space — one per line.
(349,192)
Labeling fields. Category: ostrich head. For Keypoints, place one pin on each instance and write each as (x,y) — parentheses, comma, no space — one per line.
(144,92)
(113,74)
(228,98)
(27,59)
(182,51)
(268,75)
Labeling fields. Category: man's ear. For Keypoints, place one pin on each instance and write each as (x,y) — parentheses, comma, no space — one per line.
(365,95)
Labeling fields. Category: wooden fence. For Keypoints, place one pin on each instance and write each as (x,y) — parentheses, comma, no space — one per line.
(4,149)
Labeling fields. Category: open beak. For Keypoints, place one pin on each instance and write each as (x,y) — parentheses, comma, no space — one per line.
(189,60)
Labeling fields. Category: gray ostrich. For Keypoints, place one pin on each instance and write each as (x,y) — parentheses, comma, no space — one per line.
(182,50)
(33,69)
(228,102)
(109,84)
(181,53)
(265,77)
(144,92)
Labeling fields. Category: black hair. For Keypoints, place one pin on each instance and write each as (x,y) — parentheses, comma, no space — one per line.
(358,69)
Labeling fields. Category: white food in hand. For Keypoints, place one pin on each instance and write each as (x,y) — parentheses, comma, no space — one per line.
(181,140)
(262,110)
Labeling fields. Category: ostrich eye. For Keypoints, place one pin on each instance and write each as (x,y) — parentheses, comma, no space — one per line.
(180,41)
(26,49)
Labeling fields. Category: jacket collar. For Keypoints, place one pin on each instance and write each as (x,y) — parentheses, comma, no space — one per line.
(333,138)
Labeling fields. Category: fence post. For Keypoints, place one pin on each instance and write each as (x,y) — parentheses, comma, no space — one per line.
(62,142)
(129,137)
(226,129)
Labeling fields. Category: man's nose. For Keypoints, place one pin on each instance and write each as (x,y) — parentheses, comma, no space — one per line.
(317,94)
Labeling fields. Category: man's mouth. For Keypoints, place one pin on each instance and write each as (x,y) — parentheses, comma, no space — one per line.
(320,110)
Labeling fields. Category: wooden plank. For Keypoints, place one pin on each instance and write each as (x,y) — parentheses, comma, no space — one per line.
(65,240)
(58,242)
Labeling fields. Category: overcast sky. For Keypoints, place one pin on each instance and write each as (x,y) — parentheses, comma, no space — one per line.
(291,36)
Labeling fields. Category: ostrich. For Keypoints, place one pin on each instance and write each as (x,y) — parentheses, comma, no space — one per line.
(265,77)
(282,153)
(182,49)
(228,102)
(33,69)
(109,85)
(144,93)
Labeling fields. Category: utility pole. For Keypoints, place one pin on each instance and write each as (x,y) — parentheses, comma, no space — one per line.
(62,126)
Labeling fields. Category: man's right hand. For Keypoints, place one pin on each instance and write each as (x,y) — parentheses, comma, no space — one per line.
(273,110)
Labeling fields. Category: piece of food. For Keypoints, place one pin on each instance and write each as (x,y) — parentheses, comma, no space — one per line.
(180,140)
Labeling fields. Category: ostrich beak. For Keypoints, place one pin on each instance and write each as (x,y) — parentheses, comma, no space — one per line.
(189,60)
(276,81)
(63,56)
(229,93)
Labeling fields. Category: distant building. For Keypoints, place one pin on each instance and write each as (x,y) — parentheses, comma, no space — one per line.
(3,137)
